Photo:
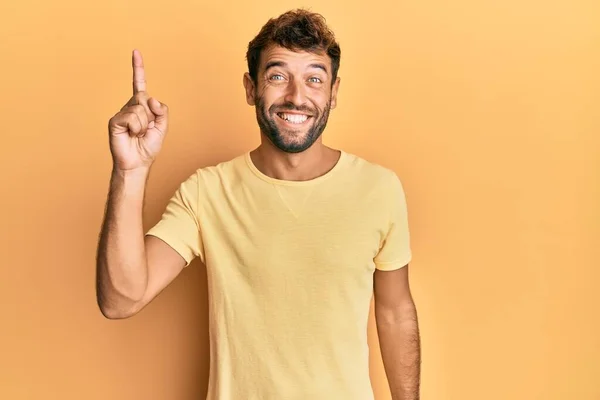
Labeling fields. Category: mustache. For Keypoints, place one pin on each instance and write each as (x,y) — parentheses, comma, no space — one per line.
(291,107)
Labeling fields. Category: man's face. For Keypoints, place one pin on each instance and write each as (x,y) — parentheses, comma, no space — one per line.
(293,95)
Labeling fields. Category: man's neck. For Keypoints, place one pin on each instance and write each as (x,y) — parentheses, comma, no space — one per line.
(309,164)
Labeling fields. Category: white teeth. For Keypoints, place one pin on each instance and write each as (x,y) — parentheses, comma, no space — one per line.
(294,118)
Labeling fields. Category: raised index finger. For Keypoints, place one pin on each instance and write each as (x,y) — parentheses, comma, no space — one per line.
(139,76)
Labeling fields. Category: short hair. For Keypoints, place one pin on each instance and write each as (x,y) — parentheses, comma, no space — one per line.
(295,30)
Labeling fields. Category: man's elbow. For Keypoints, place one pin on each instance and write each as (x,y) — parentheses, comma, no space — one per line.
(113,313)
(119,302)
(118,310)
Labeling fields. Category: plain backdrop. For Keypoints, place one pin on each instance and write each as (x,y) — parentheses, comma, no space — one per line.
(487,110)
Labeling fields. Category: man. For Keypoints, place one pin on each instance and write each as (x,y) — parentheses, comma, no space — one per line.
(295,235)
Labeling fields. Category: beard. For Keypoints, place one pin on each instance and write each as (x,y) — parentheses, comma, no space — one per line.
(291,140)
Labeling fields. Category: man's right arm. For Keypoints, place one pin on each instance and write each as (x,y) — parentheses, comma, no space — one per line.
(131,268)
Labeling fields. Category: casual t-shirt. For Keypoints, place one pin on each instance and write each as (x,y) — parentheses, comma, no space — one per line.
(290,273)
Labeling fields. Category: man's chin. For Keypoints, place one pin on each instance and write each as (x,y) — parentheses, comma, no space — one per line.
(290,145)
(288,137)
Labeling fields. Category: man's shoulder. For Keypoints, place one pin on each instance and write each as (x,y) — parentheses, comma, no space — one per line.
(372,172)
(213,177)
(221,170)
(377,183)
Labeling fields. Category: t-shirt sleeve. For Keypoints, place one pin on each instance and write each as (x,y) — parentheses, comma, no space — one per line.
(395,251)
(179,225)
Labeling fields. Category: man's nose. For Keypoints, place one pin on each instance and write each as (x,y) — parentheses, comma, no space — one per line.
(295,93)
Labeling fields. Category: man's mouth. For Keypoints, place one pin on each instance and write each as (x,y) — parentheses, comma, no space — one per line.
(293,118)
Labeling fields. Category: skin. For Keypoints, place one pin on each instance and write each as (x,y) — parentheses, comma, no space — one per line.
(132,269)
(398,332)
(296,83)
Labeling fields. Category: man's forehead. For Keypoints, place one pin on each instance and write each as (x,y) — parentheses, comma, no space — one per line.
(275,52)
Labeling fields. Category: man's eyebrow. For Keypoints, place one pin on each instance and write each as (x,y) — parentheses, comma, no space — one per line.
(272,64)
(319,65)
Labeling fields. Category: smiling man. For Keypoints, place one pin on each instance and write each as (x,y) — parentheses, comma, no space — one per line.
(291,113)
(296,236)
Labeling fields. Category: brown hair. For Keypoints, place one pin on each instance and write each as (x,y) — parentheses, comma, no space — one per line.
(295,30)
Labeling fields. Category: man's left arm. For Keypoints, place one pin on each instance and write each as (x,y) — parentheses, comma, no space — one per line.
(398,332)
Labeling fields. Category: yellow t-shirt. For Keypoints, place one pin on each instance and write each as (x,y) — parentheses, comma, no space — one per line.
(290,273)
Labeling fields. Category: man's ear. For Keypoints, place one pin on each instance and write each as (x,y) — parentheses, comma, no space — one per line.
(250,89)
(334,92)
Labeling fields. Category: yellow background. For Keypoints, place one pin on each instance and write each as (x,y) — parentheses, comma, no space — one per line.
(488,110)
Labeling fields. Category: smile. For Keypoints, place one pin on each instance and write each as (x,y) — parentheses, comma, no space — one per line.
(293,118)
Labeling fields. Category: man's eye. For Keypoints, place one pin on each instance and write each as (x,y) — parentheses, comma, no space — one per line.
(276,77)
(315,79)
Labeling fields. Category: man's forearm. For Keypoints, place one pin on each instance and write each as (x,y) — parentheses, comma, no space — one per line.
(400,345)
(121,260)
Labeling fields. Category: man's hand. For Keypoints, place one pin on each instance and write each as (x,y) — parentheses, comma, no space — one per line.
(138,130)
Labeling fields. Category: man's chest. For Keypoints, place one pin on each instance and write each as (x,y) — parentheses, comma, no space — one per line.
(295,235)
